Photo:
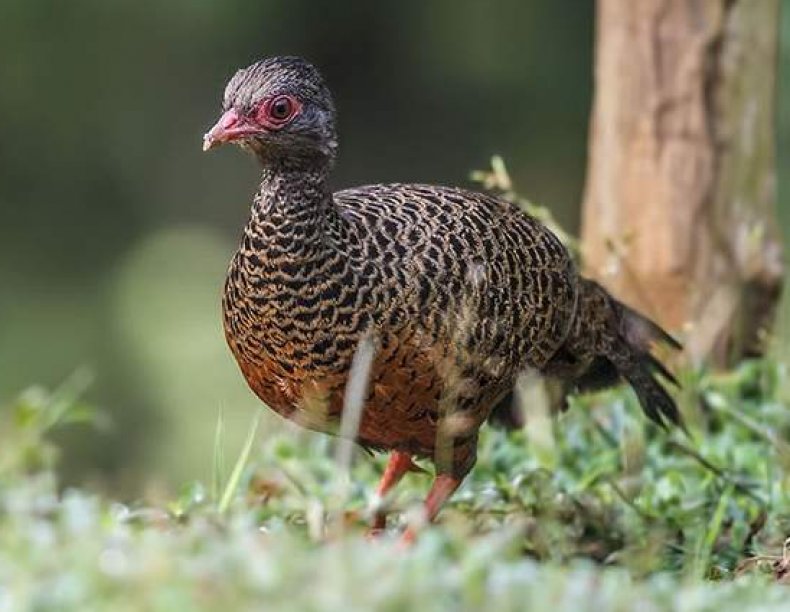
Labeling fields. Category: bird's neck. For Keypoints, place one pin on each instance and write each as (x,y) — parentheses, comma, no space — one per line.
(293,210)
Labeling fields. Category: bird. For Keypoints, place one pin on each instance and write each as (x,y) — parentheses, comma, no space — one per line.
(454,293)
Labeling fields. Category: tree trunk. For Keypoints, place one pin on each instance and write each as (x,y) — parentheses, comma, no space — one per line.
(679,214)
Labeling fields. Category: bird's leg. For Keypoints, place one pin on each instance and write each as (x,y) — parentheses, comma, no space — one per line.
(399,463)
(442,488)
(449,476)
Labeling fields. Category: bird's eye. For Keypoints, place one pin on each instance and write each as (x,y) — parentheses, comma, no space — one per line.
(277,111)
(280,109)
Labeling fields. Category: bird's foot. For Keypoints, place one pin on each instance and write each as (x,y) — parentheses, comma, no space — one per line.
(407,538)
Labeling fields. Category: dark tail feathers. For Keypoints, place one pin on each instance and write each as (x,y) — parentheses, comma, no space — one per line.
(630,355)
(608,341)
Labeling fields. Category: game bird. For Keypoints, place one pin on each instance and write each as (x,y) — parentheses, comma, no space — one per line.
(454,292)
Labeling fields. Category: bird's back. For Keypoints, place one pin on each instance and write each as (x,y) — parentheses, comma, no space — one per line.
(467,264)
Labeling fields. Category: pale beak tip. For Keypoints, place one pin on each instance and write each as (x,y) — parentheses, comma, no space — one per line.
(208,142)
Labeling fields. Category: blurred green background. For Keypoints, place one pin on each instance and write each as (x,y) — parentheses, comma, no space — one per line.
(115,229)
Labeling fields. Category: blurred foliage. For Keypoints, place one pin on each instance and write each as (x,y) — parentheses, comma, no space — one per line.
(611,513)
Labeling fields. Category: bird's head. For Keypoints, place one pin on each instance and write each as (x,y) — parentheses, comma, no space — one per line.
(280,109)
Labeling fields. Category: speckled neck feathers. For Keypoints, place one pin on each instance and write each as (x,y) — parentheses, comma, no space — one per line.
(291,211)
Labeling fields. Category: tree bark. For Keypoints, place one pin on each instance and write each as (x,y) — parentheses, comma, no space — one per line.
(679,214)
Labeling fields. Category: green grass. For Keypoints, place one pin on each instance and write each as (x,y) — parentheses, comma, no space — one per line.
(596,511)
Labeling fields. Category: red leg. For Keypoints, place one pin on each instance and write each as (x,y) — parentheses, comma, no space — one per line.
(399,463)
(443,487)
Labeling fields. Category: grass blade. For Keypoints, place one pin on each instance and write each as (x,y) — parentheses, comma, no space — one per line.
(235,476)
(218,471)
(704,549)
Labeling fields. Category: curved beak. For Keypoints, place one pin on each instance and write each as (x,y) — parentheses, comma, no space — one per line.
(231,126)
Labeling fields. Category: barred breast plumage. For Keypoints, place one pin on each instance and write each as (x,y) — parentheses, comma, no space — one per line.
(457,292)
